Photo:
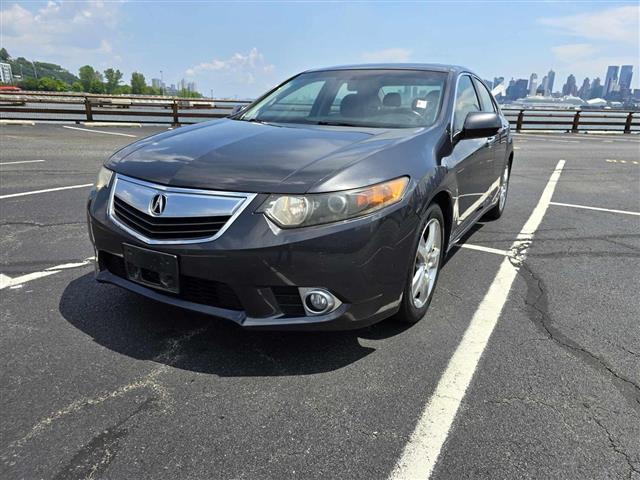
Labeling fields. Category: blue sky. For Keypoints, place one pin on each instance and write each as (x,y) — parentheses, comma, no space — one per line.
(244,48)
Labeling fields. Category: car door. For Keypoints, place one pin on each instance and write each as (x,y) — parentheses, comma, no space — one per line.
(472,159)
(497,143)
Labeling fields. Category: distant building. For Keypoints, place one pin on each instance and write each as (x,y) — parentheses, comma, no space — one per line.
(570,88)
(611,80)
(6,75)
(596,89)
(585,89)
(533,84)
(191,86)
(551,76)
(543,85)
(156,83)
(517,89)
(497,81)
(626,74)
(488,83)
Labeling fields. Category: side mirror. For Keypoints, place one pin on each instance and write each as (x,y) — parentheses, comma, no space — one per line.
(481,125)
(237,109)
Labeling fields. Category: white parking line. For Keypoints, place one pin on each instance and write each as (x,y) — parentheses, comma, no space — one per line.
(100,131)
(626,212)
(7,281)
(22,161)
(422,451)
(481,248)
(34,192)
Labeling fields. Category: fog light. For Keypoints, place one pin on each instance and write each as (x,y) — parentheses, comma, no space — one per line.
(318,301)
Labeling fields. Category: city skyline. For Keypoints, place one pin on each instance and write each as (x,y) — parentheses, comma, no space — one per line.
(617,85)
(245,48)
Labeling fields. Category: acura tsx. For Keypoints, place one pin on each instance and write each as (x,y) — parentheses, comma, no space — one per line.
(328,203)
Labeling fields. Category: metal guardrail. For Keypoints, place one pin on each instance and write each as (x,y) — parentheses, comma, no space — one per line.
(176,111)
(59,106)
(573,120)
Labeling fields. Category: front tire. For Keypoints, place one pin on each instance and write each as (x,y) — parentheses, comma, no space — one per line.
(422,277)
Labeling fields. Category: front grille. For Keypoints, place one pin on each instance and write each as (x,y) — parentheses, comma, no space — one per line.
(167,228)
(192,289)
(289,300)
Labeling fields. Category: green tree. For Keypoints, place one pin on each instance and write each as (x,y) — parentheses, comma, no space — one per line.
(113,78)
(138,83)
(4,55)
(29,84)
(184,93)
(90,79)
(49,84)
(77,87)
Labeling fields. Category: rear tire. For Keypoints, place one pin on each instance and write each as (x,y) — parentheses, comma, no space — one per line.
(427,256)
(496,212)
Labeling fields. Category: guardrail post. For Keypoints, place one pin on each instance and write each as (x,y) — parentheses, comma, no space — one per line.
(520,120)
(176,118)
(87,109)
(627,123)
(576,122)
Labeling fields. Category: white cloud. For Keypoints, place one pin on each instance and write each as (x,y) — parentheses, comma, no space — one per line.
(387,55)
(243,68)
(621,24)
(573,51)
(69,33)
(586,60)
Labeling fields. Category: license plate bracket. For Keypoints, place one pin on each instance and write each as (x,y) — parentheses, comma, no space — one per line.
(153,269)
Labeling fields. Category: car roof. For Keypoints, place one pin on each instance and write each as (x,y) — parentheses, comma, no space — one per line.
(396,66)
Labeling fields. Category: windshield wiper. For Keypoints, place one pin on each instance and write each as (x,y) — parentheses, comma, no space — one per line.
(252,120)
(337,124)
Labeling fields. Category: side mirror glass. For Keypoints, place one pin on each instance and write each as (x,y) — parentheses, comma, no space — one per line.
(481,125)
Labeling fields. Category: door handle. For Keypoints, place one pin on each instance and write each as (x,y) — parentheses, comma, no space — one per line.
(491,140)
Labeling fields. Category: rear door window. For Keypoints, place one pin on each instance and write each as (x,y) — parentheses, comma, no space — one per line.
(485,96)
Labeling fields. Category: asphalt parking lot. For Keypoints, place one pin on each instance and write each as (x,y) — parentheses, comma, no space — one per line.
(100,383)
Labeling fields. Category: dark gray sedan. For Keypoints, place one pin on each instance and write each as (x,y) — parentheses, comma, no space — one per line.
(328,203)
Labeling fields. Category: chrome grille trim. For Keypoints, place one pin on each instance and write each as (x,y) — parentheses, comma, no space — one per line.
(181,203)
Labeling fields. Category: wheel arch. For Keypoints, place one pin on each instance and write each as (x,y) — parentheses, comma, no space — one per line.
(444,201)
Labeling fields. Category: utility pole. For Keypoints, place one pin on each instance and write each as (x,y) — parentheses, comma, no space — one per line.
(161,84)
(211,97)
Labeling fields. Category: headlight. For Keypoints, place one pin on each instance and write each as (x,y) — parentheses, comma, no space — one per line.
(104,177)
(289,211)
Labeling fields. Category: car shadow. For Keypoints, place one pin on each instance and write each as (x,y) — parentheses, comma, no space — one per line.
(143,329)
(454,249)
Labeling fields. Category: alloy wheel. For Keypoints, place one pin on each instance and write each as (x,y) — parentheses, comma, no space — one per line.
(504,187)
(427,263)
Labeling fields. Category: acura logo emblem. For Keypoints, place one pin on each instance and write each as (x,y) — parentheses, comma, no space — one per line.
(158,203)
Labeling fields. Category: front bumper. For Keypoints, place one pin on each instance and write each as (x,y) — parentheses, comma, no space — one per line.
(250,275)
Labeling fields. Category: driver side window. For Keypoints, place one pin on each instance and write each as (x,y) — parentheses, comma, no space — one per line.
(466,101)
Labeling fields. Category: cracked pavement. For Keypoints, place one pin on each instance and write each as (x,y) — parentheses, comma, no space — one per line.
(99,383)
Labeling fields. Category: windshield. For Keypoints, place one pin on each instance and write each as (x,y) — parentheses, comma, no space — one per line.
(364,98)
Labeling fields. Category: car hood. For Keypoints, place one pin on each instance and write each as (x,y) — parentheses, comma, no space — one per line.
(250,157)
